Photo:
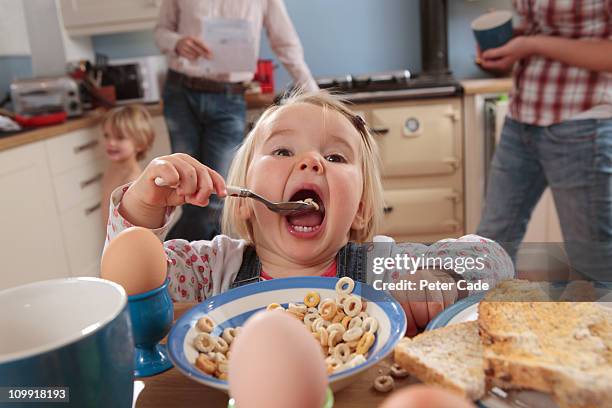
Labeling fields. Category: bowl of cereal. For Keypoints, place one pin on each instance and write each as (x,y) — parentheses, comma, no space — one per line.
(356,325)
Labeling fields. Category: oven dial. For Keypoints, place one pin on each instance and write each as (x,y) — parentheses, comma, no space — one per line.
(411,126)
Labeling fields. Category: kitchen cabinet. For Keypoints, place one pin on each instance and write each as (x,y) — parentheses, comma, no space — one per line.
(420,144)
(31,240)
(51,219)
(87,17)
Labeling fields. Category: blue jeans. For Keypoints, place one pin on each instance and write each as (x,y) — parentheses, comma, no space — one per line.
(208,127)
(574,158)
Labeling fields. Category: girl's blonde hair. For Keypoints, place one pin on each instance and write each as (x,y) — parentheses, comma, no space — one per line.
(372,195)
(133,121)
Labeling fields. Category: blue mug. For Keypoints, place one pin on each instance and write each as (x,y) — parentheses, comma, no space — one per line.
(73,333)
(493,29)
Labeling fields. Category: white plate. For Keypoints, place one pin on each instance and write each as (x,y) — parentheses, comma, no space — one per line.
(466,310)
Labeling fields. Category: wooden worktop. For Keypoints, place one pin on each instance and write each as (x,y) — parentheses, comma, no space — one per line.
(173,389)
(484,86)
(93,118)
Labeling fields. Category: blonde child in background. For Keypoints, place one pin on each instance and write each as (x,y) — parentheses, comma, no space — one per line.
(128,135)
(312,146)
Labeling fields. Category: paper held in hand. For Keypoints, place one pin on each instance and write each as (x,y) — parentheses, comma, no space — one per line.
(232,44)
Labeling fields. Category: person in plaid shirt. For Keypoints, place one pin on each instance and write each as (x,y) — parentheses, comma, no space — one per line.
(558,131)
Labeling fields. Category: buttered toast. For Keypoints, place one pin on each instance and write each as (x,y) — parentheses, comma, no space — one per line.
(450,357)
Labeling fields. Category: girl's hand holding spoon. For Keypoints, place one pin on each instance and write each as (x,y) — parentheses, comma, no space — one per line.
(184,181)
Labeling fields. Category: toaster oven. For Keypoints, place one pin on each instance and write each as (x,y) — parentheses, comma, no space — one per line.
(36,96)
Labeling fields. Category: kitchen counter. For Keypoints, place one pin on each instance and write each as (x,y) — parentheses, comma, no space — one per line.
(484,86)
(93,118)
(173,389)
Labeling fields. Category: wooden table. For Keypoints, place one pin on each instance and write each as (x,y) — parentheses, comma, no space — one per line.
(173,389)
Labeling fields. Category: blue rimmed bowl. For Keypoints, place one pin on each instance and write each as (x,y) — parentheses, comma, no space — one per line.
(233,308)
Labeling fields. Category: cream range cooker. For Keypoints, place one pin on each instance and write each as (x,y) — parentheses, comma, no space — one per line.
(417,123)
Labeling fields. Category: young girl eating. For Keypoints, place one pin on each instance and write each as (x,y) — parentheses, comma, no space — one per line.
(128,134)
(314,147)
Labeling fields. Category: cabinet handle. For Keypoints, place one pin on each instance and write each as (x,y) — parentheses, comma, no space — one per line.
(92,180)
(454,196)
(453,225)
(387,209)
(86,146)
(451,161)
(93,208)
(379,130)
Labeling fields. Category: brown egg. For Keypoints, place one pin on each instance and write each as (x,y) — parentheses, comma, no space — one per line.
(425,396)
(136,260)
(276,363)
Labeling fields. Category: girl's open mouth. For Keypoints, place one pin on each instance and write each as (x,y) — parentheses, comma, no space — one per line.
(307,224)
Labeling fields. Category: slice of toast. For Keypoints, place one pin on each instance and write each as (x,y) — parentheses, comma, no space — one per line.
(561,348)
(450,357)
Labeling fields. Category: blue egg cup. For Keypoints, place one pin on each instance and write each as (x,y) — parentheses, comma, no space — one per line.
(151,314)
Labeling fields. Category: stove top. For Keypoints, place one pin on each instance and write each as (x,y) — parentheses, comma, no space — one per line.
(391,85)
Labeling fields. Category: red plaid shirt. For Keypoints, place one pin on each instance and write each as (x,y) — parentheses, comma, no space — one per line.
(547,91)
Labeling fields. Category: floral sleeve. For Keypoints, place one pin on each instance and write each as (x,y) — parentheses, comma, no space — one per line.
(496,263)
(197,269)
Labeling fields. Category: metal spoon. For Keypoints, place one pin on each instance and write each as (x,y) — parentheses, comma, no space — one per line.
(283,207)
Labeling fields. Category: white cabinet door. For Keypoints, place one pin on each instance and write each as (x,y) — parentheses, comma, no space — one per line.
(161,144)
(84,234)
(97,17)
(31,245)
(422,211)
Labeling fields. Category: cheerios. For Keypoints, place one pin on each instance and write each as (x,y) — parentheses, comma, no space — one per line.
(384,383)
(346,321)
(206,364)
(365,343)
(352,334)
(223,367)
(274,306)
(370,325)
(398,372)
(312,299)
(319,322)
(338,317)
(345,285)
(335,337)
(204,342)
(309,319)
(298,308)
(355,322)
(336,327)
(341,325)
(342,352)
(205,324)
(333,362)
(328,309)
(229,333)
(323,336)
(221,346)
(352,306)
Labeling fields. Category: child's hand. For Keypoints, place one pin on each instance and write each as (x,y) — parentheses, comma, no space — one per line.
(422,305)
(186,181)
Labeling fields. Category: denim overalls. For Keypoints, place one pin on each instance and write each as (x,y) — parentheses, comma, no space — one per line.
(351,261)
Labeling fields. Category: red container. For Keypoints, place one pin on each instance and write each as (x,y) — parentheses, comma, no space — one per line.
(265,75)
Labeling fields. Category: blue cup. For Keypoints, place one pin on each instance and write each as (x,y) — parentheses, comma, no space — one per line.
(72,332)
(493,29)
(152,313)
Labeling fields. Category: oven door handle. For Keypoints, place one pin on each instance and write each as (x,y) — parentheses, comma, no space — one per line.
(379,130)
